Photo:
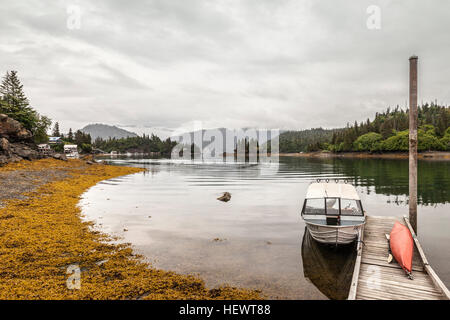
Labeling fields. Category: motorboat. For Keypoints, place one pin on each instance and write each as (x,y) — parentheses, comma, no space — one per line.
(333,212)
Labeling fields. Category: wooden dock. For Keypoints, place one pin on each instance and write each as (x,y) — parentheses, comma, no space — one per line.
(375,279)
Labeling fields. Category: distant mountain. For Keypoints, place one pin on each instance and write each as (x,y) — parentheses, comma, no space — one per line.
(105,131)
(162,132)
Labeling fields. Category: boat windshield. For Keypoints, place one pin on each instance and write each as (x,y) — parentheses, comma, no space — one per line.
(351,207)
(314,206)
(332,206)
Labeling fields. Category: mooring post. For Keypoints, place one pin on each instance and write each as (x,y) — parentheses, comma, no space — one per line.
(413,142)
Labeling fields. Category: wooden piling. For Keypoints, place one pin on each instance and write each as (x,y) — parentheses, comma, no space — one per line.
(413,142)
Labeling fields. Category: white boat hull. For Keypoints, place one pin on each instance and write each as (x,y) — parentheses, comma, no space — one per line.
(334,234)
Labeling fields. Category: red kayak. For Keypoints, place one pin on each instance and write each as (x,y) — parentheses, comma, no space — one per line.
(402,246)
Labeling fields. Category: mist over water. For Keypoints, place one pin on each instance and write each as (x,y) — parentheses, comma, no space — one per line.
(257,239)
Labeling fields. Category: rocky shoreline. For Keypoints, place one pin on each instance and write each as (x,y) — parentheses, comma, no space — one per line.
(16,143)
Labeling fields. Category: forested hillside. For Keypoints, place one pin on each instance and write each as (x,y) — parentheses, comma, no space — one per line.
(306,140)
(144,144)
(387,132)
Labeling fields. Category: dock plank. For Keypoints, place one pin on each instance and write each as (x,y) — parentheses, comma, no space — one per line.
(378,280)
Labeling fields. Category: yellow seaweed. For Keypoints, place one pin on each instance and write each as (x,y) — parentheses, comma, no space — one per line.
(43,234)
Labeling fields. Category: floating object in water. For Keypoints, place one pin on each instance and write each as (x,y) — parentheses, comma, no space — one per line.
(225,197)
(402,244)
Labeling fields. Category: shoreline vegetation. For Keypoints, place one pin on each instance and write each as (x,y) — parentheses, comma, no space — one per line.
(386,133)
(42,234)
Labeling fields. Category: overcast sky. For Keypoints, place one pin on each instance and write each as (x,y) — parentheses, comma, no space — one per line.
(229,63)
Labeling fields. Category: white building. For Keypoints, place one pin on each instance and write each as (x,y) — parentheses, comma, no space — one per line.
(44,148)
(71,151)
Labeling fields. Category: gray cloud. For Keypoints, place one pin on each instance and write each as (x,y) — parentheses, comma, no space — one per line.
(274,64)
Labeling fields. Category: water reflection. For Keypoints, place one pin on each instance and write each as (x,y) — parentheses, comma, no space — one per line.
(383,176)
(172,217)
(329,268)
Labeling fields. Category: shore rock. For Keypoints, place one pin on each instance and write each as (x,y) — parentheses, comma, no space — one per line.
(59,156)
(25,151)
(16,142)
(225,197)
(4,145)
(13,130)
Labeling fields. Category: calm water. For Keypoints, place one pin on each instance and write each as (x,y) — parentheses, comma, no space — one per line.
(258,239)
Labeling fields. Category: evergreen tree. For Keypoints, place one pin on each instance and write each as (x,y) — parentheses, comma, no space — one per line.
(82,138)
(70,135)
(12,93)
(15,104)
(386,129)
(56,132)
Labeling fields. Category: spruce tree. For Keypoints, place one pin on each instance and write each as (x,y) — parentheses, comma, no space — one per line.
(14,102)
(12,92)
(56,132)
(70,135)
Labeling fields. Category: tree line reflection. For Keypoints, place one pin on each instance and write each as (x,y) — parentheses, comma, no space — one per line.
(383,176)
